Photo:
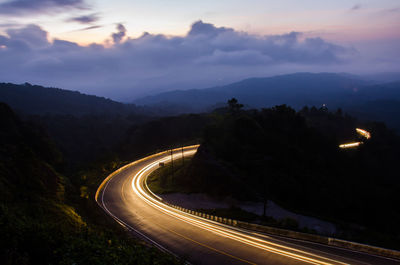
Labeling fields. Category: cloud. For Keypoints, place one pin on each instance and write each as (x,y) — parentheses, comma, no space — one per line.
(10,25)
(130,67)
(32,35)
(86,19)
(89,28)
(15,7)
(117,37)
(392,10)
(207,29)
(356,7)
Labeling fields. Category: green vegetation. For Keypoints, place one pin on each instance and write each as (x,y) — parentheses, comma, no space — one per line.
(53,161)
(33,99)
(52,164)
(49,218)
(166,178)
(293,158)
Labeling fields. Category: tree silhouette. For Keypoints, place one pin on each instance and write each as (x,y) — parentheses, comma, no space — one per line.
(234,105)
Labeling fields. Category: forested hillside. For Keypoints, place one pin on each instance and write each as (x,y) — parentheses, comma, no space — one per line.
(49,218)
(293,158)
(33,99)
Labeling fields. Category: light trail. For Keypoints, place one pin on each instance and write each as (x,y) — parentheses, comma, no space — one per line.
(139,181)
(125,196)
(350,145)
(364,133)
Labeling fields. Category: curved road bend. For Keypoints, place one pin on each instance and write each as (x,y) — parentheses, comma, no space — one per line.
(199,241)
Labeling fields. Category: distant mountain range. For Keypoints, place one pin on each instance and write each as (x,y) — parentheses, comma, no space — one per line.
(363,98)
(295,90)
(359,96)
(32,99)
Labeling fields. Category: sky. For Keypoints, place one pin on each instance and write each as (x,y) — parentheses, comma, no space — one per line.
(124,49)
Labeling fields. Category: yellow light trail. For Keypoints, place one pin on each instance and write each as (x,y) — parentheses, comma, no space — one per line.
(218,228)
(350,145)
(364,133)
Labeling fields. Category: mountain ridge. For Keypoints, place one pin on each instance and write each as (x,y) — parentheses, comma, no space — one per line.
(34,99)
(262,91)
(361,98)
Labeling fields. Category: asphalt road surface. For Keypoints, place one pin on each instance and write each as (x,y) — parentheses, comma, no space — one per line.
(124,196)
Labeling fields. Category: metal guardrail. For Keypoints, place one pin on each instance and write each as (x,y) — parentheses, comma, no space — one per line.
(264,229)
(293,234)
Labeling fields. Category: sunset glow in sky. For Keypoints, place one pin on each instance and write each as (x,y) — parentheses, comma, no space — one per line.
(361,36)
(336,20)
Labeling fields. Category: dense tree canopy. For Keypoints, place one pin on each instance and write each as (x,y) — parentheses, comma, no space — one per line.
(293,158)
(50,218)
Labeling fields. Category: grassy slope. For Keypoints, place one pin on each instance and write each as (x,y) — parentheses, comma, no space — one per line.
(45,218)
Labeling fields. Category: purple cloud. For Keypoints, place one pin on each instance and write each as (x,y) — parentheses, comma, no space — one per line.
(117,37)
(200,28)
(356,7)
(89,28)
(86,19)
(15,7)
(132,67)
(32,35)
(392,10)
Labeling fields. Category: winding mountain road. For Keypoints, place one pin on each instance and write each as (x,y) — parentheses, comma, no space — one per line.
(124,196)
